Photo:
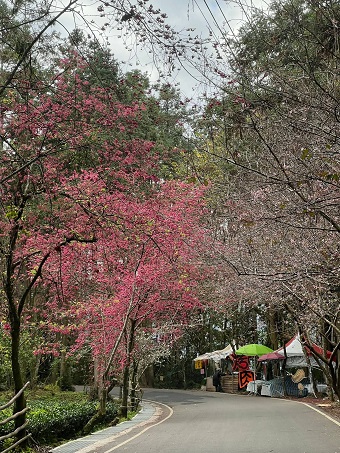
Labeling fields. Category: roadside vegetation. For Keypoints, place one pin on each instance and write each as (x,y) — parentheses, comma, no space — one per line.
(56,416)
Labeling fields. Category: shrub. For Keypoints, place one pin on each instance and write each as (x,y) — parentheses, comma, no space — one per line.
(53,420)
(58,420)
(9,427)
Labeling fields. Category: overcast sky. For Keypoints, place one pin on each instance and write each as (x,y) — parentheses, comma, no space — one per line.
(200,15)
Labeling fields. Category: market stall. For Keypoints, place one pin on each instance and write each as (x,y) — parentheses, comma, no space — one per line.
(215,358)
(297,357)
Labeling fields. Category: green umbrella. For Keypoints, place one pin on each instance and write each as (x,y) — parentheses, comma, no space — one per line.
(253,350)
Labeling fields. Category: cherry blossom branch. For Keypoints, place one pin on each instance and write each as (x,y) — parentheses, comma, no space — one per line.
(329,322)
(126,317)
(32,44)
(73,238)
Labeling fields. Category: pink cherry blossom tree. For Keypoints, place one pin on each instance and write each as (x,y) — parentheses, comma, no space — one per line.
(83,212)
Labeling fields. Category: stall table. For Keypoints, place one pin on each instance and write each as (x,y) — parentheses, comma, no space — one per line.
(255,386)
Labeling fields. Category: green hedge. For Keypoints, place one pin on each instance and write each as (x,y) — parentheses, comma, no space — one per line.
(52,421)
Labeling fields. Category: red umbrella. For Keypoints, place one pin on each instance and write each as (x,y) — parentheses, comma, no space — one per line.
(271,356)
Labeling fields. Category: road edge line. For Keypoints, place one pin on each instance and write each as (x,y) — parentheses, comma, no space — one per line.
(322,413)
(145,429)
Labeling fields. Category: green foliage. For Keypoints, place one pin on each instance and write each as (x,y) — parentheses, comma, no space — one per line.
(58,416)
(290,32)
(129,416)
(52,389)
(56,419)
(5,361)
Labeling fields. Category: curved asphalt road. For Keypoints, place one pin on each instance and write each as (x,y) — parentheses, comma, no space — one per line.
(204,422)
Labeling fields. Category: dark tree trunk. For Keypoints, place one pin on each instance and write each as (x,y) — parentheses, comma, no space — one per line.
(272,328)
(20,402)
(134,384)
(126,374)
(125,395)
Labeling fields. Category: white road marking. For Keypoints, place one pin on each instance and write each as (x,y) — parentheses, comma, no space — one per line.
(142,432)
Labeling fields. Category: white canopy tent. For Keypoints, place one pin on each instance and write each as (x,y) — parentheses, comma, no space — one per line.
(217,355)
(205,356)
(220,354)
(297,354)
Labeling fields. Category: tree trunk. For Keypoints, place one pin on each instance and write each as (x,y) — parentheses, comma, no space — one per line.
(272,328)
(337,383)
(62,369)
(311,378)
(125,395)
(126,374)
(65,378)
(333,381)
(20,402)
(103,401)
(54,371)
(148,377)
(34,370)
(99,415)
(284,369)
(134,383)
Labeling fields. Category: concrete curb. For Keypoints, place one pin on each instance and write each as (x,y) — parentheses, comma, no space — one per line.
(107,435)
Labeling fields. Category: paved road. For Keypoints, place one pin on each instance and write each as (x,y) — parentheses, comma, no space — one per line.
(204,422)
